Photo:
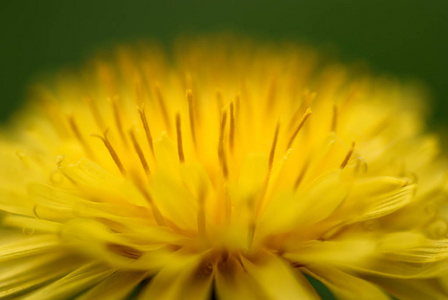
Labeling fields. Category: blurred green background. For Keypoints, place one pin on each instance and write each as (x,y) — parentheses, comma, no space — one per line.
(406,38)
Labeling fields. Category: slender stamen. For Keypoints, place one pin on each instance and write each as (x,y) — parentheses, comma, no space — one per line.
(180,149)
(273,147)
(140,153)
(262,192)
(141,111)
(308,99)
(191,111)
(251,234)
(334,121)
(347,157)
(74,127)
(232,127)
(221,150)
(301,123)
(162,105)
(111,150)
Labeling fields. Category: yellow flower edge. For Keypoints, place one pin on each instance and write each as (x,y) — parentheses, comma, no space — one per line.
(227,167)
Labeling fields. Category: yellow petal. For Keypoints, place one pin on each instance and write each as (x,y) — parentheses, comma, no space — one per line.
(411,289)
(19,276)
(117,286)
(189,280)
(413,247)
(31,224)
(278,280)
(98,241)
(71,284)
(383,266)
(343,252)
(325,195)
(16,201)
(345,286)
(60,205)
(405,255)
(175,202)
(252,177)
(377,197)
(98,184)
(233,283)
(28,245)
(289,210)
(167,157)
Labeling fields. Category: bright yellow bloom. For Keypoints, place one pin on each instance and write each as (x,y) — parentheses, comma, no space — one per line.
(227,168)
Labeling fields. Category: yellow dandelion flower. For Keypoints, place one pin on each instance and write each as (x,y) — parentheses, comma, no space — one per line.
(234,172)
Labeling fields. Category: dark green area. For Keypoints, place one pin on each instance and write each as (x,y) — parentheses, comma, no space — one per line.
(323,291)
(407,38)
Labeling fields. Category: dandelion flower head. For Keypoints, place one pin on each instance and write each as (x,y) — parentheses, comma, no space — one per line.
(226,169)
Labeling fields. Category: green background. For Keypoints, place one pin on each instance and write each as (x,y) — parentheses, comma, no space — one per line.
(406,38)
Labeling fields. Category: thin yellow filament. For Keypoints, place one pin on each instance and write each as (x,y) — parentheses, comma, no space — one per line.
(180,149)
(221,150)
(301,123)
(191,112)
(111,150)
(347,157)
(140,153)
(232,127)
(334,121)
(273,147)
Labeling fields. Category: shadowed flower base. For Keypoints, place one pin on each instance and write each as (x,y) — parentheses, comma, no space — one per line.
(232,170)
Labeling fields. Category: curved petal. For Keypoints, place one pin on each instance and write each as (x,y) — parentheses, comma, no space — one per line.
(279,281)
(234,283)
(375,197)
(19,276)
(345,286)
(268,278)
(428,289)
(117,286)
(23,246)
(71,284)
(406,255)
(343,252)
(191,280)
